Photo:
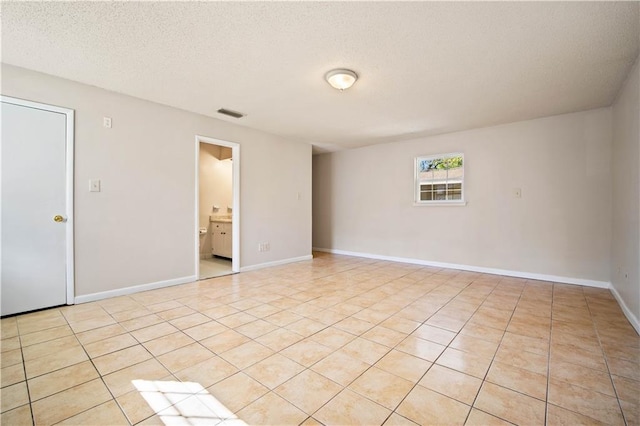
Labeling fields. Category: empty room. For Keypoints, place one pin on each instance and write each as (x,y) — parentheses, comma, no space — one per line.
(320,213)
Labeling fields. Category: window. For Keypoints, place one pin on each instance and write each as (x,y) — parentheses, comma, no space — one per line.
(440,179)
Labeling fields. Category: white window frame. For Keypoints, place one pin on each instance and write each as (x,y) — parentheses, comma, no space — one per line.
(416,178)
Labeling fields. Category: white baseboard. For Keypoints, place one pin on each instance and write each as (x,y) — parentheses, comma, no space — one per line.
(275,263)
(505,272)
(133,289)
(627,312)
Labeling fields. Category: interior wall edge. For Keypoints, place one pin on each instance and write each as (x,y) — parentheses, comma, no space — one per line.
(635,322)
(92,297)
(472,268)
(275,263)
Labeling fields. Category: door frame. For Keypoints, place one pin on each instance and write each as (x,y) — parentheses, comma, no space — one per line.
(69,184)
(235,213)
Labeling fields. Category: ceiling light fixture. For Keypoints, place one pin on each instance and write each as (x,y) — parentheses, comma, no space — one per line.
(341,78)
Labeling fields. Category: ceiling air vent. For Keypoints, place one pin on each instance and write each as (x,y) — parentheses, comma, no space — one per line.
(234,114)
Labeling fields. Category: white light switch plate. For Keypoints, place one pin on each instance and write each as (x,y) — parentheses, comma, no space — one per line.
(94,185)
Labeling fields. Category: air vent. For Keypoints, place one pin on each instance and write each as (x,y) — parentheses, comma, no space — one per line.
(234,114)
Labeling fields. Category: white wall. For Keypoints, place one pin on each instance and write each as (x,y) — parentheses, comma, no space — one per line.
(140,229)
(363,199)
(216,189)
(625,247)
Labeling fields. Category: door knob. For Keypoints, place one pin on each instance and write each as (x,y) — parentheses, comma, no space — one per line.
(58,218)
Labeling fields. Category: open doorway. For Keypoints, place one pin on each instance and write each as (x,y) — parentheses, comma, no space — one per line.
(217,207)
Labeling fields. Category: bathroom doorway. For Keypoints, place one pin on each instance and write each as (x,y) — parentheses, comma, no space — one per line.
(217,207)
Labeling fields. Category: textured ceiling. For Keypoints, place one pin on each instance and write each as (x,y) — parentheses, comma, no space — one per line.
(425,67)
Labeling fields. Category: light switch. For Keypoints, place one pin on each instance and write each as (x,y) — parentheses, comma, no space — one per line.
(94,185)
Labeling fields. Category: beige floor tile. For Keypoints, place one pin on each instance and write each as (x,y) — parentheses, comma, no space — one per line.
(306,352)
(246,354)
(92,323)
(185,357)
(18,416)
(12,375)
(32,324)
(9,327)
(525,343)
(404,365)
(308,391)
(384,336)
(526,360)
(585,377)
(558,416)
(340,368)
(9,344)
(97,334)
(46,348)
(396,419)
(256,328)
(630,353)
(136,408)
(518,379)
(55,361)
(70,402)
(220,311)
(384,388)
(465,362)
(111,344)
(482,332)
(236,320)
(350,408)
(305,327)
(468,343)
(584,401)
(168,343)
(575,342)
(190,321)
(452,383)
(274,370)
(364,350)
(424,349)
(310,421)
(631,412)
(153,332)
(11,357)
(283,318)
(423,406)
(271,409)
(107,414)
(625,368)
(237,391)
(354,326)
(48,384)
(480,418)
(206,330)
(570,354)
(45,335)
(176,312)
(121,359)
(509,405)
(224,341)
(130,314)
(400,324)
(332,337)
(207,372)
(627,389)
(13,396)
(434,334)
(279,339)
(446,322)
(141,322)
(119,382)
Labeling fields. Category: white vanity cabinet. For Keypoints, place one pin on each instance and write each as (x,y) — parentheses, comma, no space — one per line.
(221,238)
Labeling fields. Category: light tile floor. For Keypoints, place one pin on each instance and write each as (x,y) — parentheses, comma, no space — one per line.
(214,267)
(336,340)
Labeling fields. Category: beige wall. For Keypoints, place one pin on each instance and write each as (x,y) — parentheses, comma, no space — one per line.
(216,189)
(625,247)
(363,199)
(141,228)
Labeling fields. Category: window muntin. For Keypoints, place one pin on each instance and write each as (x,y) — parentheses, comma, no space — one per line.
(439,179)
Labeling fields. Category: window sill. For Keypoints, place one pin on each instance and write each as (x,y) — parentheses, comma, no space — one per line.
(441,204)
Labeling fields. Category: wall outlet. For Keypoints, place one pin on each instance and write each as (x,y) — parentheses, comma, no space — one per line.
(106,122)
(263,247)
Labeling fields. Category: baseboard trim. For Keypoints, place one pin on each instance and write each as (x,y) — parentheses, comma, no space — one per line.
(275,263)
(471,268)
(627,312)
(133,289)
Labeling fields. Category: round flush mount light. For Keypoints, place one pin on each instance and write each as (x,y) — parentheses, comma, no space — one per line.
(341,78)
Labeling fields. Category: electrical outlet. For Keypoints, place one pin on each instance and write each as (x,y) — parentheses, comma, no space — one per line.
(263,247)
(106,122)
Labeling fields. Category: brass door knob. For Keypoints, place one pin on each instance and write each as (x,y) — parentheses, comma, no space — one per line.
(58,218)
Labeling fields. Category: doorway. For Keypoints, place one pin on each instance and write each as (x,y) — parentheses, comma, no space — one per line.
(37,206)
(217,207)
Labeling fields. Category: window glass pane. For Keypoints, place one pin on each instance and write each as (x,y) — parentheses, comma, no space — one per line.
(439,177)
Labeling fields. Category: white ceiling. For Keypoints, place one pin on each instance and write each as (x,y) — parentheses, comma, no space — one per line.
(425,67)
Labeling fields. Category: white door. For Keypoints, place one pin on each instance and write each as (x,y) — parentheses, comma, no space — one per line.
(36,206)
